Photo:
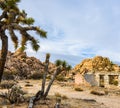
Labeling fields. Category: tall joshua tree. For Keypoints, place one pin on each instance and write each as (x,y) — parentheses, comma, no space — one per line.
(12,19)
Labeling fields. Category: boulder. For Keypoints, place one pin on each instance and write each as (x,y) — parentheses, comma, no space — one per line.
(96,64)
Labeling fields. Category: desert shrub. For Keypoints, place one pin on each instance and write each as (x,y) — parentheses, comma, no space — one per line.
(64,97)
(100,93)
(7,84)
(28,85)
(8,75)
(78,89)
(48,76)
(27,82)
(115,83)
(14,95)
(36,75)
(58,94)
(106,92)
(58,101)
(61,78)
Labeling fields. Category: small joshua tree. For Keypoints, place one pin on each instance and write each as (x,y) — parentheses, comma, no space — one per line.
(61,66)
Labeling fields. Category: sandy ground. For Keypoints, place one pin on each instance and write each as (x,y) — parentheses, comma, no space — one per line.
(109,101)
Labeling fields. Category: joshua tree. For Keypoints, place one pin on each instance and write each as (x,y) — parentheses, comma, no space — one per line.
(68,68)
(42,94)
(61,66)
(45,73)
(12,20)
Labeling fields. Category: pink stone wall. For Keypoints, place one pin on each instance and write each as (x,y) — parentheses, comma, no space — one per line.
(79,80)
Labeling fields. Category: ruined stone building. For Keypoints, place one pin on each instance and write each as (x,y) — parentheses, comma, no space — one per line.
(99,71)
(98,79)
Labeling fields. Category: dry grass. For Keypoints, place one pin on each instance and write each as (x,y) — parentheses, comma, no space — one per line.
(7,84)
(28,85)
(97,93)
(36,75)
(78,89)
(58,94)
(64,97)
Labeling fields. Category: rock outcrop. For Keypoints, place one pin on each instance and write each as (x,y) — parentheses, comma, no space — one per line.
(96,64)
(23,66)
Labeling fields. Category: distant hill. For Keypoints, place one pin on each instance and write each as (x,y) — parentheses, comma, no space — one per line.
(98,63)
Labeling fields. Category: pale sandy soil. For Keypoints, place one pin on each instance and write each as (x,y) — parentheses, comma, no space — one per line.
(106,101)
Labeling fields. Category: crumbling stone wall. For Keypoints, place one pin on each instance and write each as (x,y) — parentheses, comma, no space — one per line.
(107,78)
(90,78)
(93,79)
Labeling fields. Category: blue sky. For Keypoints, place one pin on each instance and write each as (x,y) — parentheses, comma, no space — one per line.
(77,29)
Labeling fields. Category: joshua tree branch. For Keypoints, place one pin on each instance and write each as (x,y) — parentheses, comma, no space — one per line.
(45,73)
(58,70)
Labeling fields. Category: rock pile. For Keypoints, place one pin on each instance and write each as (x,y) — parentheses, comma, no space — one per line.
(96,64)
(19,64)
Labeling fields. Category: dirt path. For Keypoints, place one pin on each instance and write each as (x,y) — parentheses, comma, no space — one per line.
(108,101)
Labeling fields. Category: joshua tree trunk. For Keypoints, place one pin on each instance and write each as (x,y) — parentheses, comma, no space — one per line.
(51,81)
(40,93)
(3,55)
(45,74)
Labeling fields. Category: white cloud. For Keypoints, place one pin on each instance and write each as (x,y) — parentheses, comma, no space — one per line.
(114,56)
(84,24)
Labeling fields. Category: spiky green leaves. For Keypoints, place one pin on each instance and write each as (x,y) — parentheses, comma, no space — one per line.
(48,55)
(23,13)
(14,38)
(22,48)
(23,41)
(35,45)
(58,62)
(69,67)
(41,32)
(3,4)
(28,21)
(47,58)
(63,64)
(9,4)
(17,1)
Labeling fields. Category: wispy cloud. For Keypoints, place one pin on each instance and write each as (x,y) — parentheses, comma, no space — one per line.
(79,28)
